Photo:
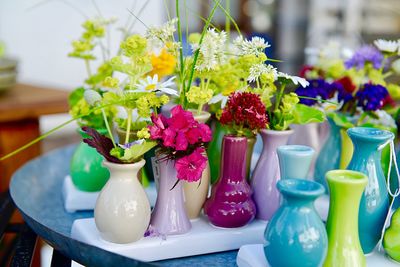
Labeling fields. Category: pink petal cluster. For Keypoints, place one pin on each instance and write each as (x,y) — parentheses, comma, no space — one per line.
(179,134)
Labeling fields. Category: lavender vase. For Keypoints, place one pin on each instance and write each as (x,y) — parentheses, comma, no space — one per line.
(230,204)
(266,174)
(169,215)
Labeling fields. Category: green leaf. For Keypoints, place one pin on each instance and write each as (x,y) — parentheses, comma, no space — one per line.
(117,152)
(304,114)
(341,120)
(75,96)
(136,151)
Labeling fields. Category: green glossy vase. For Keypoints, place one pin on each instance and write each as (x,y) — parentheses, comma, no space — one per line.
(214,150)
(86,169)
(344,248)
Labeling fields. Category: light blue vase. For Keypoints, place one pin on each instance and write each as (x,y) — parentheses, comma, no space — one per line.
(296,236)
(295,161)
(368,144)
(329,156)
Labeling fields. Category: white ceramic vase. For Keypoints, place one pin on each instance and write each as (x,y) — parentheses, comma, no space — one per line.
(122,212)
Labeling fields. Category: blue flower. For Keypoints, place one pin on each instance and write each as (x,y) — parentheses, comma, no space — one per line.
(366,54)
(371,97)
(317,88)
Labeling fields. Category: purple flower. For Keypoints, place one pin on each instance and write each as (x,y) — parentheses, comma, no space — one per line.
(365,54)
(371,97)
(317,88)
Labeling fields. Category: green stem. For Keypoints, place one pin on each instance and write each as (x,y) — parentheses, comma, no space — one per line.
(199,109)
(258,83)
(108,126)
(279,96)
(181,65)
(128,127)
(87,64)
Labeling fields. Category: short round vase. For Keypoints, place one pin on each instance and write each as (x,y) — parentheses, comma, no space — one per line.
(86,170)
(266,174)
(230,204)
(122,211)
(296,228)
(344,248)
(368,144)
(295,161)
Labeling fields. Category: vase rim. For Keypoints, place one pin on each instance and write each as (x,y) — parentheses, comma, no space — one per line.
(300,188)
(368,133)
(127,166)
(347,177)
(275,132)
(296,149)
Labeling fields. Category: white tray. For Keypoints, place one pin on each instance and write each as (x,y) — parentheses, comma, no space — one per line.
(253,256)
(203,239)
(77,200)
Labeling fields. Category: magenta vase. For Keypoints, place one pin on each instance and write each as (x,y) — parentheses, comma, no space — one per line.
(230,204)
(266,174)
(169,215)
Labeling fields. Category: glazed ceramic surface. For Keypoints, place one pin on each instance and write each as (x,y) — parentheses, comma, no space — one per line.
(294,161)
(346,151)
(169,215)
(86,169)
(230,204)
(122,211)
(375,200)
(196,192)
(329,156)
(391,239)
(266,174)
(296,235)
(344,248)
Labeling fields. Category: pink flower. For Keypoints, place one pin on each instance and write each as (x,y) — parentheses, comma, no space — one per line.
(168,137)
(190,168)
(181,119)
(205,131)
(159,123)
(181,143)
(193,135)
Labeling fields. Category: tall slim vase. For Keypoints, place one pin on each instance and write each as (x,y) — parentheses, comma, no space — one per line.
(295,161)
(375,200)
(169,215)
(329,156)
(230,204)
(346,188)
(214,150)
(266,174)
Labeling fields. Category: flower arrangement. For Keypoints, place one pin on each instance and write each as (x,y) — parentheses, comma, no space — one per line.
(183,139)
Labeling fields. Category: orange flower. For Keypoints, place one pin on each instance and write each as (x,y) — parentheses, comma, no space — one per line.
(163,64)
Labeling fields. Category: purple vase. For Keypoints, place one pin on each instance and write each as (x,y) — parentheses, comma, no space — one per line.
(230,204)
(169,214)
(266,174)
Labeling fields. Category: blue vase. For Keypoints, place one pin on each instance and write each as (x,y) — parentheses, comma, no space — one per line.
(329,156)
(296,236)
(295,161)
(374,204)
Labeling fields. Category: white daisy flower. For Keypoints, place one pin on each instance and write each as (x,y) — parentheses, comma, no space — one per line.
(219,98)
(92,97)
(211,50)
(258,69)
(295,79)
(386,45)
(151,84)
(255,46)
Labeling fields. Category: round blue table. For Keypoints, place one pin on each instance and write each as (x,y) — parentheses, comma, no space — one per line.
(36,191)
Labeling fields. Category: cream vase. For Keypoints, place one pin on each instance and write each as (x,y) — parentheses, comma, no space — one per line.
(196,192)
(122,212)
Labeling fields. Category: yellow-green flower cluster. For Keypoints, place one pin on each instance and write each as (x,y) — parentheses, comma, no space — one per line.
(199,96)
(111,82)
(144,133)
(103,71)
(134,45)
(149,102)
(283,116)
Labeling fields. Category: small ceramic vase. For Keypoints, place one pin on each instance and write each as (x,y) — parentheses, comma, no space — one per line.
(122,211)
(169,215)
(344,248)
(87,172)
(368,144)
(329,156)
(214,150)
(295,161)
(196,192)
(230,204)
(296,228)
(266,173)
(251,141)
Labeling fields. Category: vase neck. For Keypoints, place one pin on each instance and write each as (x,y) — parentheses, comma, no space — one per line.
(335,130)
(233,164)
(274,139)
(124,171)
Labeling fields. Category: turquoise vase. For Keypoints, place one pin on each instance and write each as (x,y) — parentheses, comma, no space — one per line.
(296,235)
(87,172)
(329,156)
(368,144)
(214,150)
(294,161)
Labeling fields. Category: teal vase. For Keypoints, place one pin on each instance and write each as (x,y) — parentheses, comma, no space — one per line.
(329,156)
(296,235)
(214,150)
(368,144)
(86,170)
(294,161)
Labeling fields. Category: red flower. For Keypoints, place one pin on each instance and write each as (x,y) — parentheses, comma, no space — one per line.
(190,168)
(347,84)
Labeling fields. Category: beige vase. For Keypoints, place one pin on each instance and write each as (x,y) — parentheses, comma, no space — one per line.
(196,192)
(122,211)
